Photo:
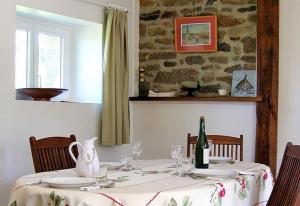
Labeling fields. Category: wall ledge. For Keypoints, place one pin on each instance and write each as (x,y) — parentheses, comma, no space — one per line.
(209,98)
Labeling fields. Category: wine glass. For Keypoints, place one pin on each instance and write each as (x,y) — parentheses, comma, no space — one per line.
(174,151)
(100,174)
(177,154)
(137,150)
(126,161)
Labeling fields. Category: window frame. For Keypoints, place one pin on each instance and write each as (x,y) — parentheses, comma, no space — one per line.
(29,49)
(34,27)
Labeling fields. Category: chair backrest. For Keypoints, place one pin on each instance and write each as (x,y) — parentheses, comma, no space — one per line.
(286,191)
(223,146)
(51,153)
(191,143)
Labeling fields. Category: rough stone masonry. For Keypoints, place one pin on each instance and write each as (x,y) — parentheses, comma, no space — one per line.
(166,70)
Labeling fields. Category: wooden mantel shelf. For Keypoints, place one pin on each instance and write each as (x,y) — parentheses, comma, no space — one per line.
(211,98)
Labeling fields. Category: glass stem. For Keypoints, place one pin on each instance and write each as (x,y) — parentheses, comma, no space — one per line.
(136,164)
(179,167)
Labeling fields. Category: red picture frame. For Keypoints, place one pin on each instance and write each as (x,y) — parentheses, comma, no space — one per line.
(196,34)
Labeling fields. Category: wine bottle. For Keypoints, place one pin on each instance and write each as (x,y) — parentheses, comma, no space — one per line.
(202,148)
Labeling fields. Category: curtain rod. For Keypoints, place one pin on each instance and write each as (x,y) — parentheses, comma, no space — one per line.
(101,3)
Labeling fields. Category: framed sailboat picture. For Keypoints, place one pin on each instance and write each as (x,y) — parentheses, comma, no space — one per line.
(244,83)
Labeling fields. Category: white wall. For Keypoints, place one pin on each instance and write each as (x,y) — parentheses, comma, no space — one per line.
(159,125)
(289,76)
(85,63)
(21,119)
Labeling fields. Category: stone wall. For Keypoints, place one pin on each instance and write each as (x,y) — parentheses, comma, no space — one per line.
(166,70)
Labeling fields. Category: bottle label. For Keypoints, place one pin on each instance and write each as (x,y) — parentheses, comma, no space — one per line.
(205,156)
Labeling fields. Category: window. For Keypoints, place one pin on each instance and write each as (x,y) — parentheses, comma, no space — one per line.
(39,54)
(56,51)
(50,60)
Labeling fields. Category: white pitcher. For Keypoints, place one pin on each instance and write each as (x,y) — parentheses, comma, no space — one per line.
(87,162)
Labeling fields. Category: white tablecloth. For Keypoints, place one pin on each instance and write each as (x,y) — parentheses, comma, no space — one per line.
(162,188)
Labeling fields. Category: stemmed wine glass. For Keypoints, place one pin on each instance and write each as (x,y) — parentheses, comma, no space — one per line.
(137,150)
(177,154)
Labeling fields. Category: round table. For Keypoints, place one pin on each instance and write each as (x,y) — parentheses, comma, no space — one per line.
(156,185)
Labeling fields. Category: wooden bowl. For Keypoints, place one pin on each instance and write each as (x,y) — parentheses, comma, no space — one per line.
(41,94)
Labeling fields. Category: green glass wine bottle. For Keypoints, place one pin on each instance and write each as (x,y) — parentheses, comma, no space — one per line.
(202,148)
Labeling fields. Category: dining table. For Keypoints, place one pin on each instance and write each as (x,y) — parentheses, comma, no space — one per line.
(156,184)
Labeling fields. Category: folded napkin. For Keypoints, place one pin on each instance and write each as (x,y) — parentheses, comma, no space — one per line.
(241,172)
(161,94)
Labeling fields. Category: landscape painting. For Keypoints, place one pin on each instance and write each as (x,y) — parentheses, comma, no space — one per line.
(196,34)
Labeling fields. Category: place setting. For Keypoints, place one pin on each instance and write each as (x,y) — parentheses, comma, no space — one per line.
(185,166)
(89,173)
(130,160)
(201,164)
(73,180)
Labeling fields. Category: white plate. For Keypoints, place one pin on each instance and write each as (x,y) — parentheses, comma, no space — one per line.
(220,159)
(213,172)
(112,165)
(68,182)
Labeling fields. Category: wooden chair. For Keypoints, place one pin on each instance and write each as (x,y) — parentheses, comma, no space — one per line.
(286,191)
(223,146)
(51,153)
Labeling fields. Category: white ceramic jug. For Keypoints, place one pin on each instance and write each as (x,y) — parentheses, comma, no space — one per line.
(87,162)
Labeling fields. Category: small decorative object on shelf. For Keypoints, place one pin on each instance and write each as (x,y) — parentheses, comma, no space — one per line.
(143,85)
(210,2)
(190,91)
(222,91)
(161,94)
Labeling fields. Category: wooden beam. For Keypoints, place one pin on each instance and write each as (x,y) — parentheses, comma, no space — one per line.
(267,72)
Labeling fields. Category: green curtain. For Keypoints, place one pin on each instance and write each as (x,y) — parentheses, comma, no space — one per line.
(115,113)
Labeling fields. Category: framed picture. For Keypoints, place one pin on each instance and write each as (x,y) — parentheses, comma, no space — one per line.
(196,34)
(244,83)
